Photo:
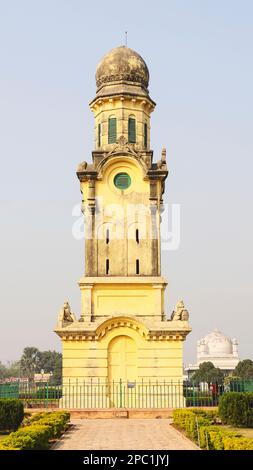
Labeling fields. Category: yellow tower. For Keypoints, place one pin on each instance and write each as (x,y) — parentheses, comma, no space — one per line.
(123,335)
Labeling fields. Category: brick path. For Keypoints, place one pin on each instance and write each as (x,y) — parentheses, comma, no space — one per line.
(125,434)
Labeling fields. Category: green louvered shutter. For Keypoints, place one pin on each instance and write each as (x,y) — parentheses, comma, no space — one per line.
(99,135)
(131,130)
(112,130)
(145,135)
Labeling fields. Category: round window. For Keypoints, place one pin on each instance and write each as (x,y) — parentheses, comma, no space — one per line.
(122,181)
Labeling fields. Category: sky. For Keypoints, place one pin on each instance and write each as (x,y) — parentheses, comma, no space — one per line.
(199,54)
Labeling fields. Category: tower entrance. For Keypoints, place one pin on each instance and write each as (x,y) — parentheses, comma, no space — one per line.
(122,359)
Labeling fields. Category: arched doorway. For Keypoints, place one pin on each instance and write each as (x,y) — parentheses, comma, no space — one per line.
(122,359)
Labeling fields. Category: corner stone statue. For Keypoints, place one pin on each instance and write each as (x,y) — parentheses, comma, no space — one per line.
(65,314)
(180,313)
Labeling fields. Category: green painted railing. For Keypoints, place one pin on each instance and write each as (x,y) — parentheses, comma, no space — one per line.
(95,393)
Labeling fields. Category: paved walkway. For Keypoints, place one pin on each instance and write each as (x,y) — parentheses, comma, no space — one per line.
(123,434)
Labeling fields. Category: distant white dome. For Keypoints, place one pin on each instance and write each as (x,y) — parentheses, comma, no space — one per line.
(217,343)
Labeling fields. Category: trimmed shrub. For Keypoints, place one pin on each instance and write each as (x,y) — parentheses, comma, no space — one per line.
(209,436)
(57,422)
(211,415)
(11,413)
(190,421)
(30,437)
(17,443)
(233,443)
(36,434)
(50,393)
(237,409)
(212,437)
(200,401)
(64,415)
(42,393)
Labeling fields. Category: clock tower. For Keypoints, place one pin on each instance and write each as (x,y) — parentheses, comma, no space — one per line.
(123,334)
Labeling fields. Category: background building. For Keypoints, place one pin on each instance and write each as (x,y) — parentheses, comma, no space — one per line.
(218,349)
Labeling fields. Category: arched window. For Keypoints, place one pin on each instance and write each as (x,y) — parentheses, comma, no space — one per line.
(145,132)
(131,130)
(112,130)
(99,135)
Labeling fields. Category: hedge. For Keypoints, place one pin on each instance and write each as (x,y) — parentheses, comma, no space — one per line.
(32,437)
(200,401)
(243,443)
(11,413)
(190,420)
(236,408)
(198,426)
(57,421)
(214,437)
(38,431)
(42,393)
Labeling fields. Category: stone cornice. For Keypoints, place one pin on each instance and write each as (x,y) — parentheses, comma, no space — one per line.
(153,280)
(121,96)
(153,336)
(159,331)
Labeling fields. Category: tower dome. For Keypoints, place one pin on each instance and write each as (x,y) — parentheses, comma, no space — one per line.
(122,64)
(217,343)
(122,105)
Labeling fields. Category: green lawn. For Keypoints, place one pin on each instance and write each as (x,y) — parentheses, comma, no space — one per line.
(246,432)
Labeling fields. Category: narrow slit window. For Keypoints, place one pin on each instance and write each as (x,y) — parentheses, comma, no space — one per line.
(107,236)
(107,266)
(99,135)
(145,135)
(137,266)
(137,236)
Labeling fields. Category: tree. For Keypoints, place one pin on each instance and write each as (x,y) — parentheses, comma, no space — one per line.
(3,371)
(33,361)
(13,369)
(29,363)
(244,369)
(51,361)
(215,375)
(208,373)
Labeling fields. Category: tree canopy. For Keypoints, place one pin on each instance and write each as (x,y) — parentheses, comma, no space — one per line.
(33,361)
(207,372)
(11,370)
(244,369)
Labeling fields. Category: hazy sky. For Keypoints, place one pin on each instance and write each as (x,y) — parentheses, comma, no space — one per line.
(199,54)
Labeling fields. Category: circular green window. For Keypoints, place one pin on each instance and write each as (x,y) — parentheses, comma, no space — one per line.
(122,181)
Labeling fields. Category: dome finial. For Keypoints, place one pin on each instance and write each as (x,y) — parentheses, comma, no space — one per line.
(122,65)
(125,38)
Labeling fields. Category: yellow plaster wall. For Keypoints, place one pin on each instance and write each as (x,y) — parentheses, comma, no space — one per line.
(133,300)
(161,360)
(101,300)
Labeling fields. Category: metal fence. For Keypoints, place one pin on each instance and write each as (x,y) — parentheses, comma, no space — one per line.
(121,394)
(94,393)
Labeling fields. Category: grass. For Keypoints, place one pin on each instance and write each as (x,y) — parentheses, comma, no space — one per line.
(245,432)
